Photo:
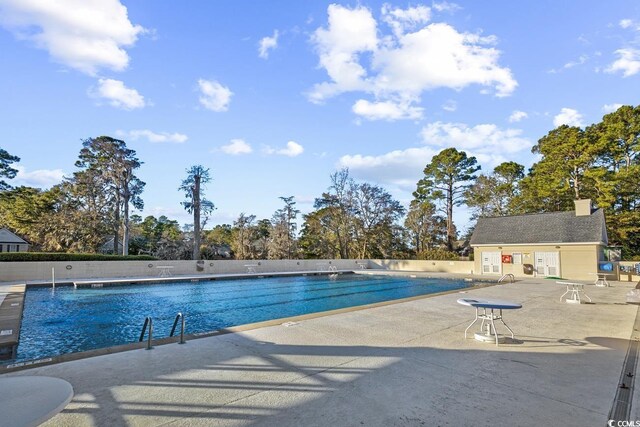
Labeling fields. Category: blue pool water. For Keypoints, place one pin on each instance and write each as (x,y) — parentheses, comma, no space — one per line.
(67,320)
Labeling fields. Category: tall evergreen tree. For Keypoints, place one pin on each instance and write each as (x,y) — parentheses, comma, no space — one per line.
(317,239)
(620,187)
(243,236)
(115,165)
(446,179)
(495,194)
(569,155)
(193,186)
(6,171)
(283,230)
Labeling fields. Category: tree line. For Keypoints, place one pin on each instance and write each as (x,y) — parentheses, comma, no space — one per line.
(350,219)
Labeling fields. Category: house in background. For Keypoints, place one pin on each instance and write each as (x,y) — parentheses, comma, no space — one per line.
(9,242)
(561,244)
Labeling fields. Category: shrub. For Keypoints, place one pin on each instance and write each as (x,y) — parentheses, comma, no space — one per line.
(438,255)
(55,256)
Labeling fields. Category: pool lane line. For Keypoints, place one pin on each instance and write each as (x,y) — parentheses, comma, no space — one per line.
(292,290)
(215,290)
(212,296)
(20,366)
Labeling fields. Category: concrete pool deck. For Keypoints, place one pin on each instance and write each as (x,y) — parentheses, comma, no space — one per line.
(404,364)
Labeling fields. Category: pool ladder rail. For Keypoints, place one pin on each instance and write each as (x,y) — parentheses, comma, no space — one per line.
(510,276)
(180,317)
(148,323)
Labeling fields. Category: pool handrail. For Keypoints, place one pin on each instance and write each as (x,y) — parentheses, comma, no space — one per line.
(509,275)
(147,322)
(179,316)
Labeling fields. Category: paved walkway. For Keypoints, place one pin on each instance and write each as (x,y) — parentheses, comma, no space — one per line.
(404,364)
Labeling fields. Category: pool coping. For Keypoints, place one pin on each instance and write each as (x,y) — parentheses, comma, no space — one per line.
(19,366)
(11,308)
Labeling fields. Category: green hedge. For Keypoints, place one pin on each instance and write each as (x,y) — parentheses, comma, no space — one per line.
(438,255)
(54,256)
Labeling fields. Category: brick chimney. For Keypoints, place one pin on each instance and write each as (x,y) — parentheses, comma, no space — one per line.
(583,207)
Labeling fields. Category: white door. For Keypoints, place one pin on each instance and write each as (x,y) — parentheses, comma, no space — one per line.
(547,263)
(491,262)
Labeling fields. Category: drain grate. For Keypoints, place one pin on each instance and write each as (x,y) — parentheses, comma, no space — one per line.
(621,409)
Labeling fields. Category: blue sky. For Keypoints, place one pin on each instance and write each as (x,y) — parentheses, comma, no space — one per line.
(274,96)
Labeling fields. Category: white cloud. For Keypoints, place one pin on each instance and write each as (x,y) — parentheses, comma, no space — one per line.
(569,117)
(87,35)
(625,23)
(398,167)
(628,62)
(400,66)
(517,115)
(293,149)
(629,23)
(403,168)
(266,44)
(445,6)
(479,139)
(151,136)
(610,108)
(118,94)
(386,110)
(439,56)
(43,178)
(581,60)
(237,147)
(349,33)
(450,106)
(402,20)
(214,96)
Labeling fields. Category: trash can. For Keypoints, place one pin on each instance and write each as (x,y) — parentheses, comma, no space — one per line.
(527,268)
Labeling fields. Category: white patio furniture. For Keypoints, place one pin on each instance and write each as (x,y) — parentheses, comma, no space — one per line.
(487,327)
(574,290)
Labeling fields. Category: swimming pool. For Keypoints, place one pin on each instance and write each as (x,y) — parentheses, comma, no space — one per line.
(68,320)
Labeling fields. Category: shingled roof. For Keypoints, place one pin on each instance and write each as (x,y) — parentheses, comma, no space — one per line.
(553,227)
(7,236)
